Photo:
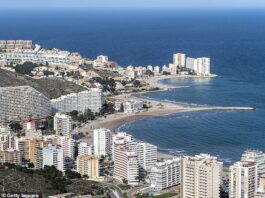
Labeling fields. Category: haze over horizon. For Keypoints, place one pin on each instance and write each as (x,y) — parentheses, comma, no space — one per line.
(129,3)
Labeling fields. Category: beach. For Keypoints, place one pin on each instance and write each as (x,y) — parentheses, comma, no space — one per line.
(158,108)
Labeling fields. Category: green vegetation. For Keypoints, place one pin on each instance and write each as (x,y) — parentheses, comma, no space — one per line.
(108,84)
(166,195)
(166,73)
(15,126)
(47,73)
(124,186)
(48,181)
(25,68)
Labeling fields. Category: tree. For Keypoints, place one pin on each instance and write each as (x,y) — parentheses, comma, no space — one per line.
(30,165)
(136,83)
(72,174)
(25,68)
(15,126)
(149,73)
(166,73)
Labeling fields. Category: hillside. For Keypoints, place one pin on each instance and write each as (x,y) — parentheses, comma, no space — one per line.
(50,87)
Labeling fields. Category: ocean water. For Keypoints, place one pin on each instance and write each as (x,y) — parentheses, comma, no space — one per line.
(234,39)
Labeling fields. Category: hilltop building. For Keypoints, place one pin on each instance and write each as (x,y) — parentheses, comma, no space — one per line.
(90,99)
(23,102)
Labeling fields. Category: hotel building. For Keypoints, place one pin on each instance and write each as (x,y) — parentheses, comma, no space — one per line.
(91,99)
(243,180)
(200,176)
(63,124)
(102,141)
(165,174)
(88,165)
(22,102)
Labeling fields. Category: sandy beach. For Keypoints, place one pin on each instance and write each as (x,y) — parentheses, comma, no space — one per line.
(158,108)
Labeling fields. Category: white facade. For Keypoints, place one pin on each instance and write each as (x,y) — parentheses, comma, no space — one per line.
(200,176)
(91,99)
(258,157)
(146,153)
(179,59)
(102,59)
(102,142)
(243,180)
(7,139)
(133,106)
(203,66)
(23,102)
(165,174)
(84,149)
(191,63)
(53,156)
(67,145)
(126,165)
(63,124)
(156,70)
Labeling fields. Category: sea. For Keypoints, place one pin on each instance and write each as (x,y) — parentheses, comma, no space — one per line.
(234,39)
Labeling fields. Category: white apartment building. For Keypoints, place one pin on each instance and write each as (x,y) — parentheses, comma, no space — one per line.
(179,59)
(23,102)
(7,139)
(200,176)
(102,141)
(156,70)
(63,124)
(203,66)
(165,174)
(88,165)
(102,59)
(126,165)
(84,149)
(243,180)
(133,106)
(90,99)
(53,156)
(10,45)
(36,55)
(146,152)
(150,67)
(191,63)
(146,155)
(67,144)
(258,157)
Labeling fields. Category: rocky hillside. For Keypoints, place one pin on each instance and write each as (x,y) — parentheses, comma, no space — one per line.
(50,87)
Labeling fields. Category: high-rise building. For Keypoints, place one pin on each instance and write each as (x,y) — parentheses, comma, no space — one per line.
(32,146)
(200,176)
(68,146)
(165,174)
(146,152)
(53,156)
(39,158)
(84,149)
(126,165)
(179,59)
(203,66)
(23,102)
(63,124)
(90,99)
(7,139)
(10,156)
(102,142)
(87,165)
(191,63)
(243,180)
(259,158)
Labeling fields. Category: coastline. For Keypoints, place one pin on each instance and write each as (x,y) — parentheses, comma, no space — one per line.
(158,109)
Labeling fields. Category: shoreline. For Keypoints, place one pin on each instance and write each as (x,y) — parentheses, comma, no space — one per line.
(158,109)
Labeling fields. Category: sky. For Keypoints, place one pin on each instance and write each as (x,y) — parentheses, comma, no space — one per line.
(128,3)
